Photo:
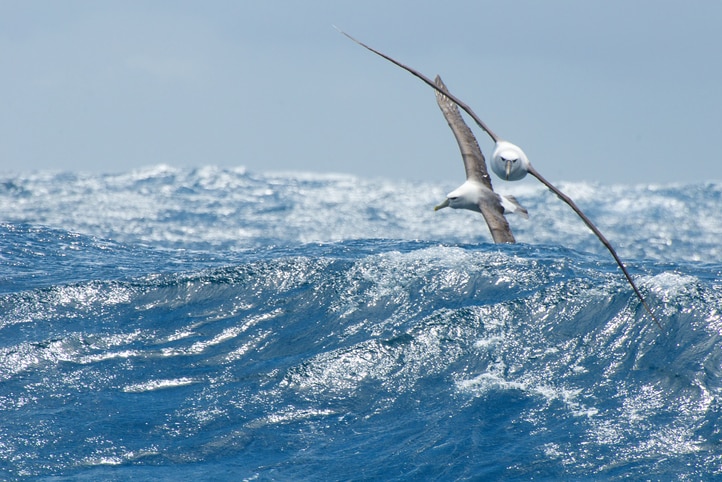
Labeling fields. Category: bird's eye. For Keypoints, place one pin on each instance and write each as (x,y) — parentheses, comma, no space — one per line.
(452,198)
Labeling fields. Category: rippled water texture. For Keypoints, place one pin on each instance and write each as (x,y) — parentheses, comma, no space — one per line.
(224,325)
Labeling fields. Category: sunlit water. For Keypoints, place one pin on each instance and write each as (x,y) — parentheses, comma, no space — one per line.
(226,325)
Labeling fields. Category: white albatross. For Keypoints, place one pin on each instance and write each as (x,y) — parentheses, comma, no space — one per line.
(476,194)
(509,162)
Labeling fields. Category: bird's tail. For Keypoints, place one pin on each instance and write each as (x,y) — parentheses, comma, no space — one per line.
(511,205)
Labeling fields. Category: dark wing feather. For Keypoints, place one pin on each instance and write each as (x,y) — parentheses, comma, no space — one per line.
(499,228)
(489,204)
(474,161)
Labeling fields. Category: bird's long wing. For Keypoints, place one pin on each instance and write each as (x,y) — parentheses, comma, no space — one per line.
(475,165)
(428,82)
(599,235)
(494,216)
(474,161)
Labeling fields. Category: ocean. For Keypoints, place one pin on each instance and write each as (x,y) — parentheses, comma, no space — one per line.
(222,324)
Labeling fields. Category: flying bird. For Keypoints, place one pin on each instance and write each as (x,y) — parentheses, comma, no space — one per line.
(509,162)
(476,194)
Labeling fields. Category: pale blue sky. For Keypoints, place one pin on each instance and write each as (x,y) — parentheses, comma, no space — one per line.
(607,91)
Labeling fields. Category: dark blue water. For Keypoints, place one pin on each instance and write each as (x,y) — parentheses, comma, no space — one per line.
(224,325)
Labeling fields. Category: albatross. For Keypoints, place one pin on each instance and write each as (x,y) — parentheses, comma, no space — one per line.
(509,162)
(476,194)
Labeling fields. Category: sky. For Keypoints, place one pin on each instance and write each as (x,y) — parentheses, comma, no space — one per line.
(614,91)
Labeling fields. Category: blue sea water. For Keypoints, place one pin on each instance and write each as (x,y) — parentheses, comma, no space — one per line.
(220,324)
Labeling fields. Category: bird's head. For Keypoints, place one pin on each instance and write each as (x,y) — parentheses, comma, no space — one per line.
(465,196)
(509,162)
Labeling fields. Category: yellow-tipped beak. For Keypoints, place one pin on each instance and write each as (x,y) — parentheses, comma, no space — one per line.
(508,169)
(442,205)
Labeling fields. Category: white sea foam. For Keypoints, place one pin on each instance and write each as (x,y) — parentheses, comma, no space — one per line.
(159,384)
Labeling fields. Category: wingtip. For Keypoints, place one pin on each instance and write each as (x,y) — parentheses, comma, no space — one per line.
(652,315)
(440,84)
(349,36)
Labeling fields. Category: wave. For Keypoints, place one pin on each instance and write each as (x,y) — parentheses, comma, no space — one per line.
(217,323)
(364,358)
(211,209)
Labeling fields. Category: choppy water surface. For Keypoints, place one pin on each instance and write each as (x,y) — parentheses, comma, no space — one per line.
(219,324)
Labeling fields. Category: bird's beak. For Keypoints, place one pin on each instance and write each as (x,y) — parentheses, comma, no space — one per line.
(442,205)
(508,169)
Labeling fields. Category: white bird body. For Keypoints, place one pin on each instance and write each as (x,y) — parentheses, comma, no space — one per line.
(472,195)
